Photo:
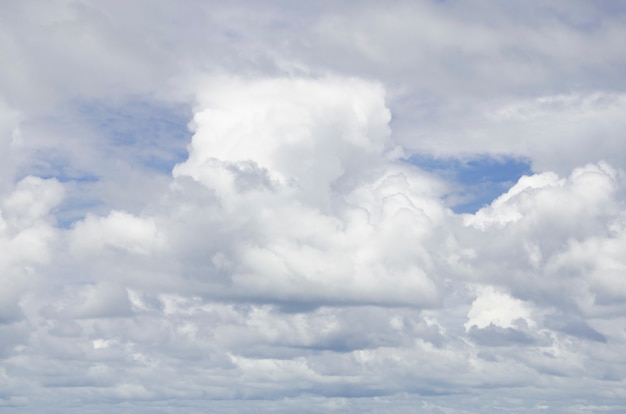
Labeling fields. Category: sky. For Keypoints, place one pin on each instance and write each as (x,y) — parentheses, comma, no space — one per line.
(314,206)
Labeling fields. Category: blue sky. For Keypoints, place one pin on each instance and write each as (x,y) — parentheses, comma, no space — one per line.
(153,134)
(269,206)
(477,181)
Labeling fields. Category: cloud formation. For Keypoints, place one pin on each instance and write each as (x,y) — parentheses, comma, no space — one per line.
(296,258)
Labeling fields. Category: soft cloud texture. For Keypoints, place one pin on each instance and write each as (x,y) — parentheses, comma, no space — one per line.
(293,257)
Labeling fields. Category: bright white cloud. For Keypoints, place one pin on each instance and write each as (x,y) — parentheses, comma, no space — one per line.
(496,308)
(289,162)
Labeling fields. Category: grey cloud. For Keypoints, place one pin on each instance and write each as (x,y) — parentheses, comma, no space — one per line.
(574,326)
(9,313)
(496,336)
(65,329)
(95,301)
(13,335)
(249,176)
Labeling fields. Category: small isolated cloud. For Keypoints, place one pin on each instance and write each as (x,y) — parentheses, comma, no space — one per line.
(497,309)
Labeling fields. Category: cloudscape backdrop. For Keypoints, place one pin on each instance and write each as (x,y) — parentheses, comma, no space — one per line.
(312,206)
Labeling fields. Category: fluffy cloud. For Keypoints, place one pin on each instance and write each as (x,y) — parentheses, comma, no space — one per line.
(354,281)
(27,240)
(294,258)
(295,216)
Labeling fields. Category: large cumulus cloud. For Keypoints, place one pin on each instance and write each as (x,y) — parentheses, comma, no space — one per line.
(289,163)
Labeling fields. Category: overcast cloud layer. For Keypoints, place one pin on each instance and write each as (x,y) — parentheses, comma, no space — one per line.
(228,208)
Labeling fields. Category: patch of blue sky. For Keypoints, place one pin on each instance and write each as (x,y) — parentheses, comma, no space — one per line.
(53,163)
(150,137)
(74,209)
(80,178)
(478,181)
(150,134)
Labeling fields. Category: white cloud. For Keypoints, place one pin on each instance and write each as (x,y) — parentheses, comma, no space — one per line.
(289,162)
(300,132)
(498,309)
(32,200)
(27,237)
(590,190)
(118,230)
(295,261)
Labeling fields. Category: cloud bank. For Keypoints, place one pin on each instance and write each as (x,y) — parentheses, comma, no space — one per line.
(295,257)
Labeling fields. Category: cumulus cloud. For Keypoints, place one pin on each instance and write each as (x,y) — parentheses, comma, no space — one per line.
(295,258)
(27,228)
(290,163)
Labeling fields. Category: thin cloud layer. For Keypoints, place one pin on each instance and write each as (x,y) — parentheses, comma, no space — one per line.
(295,258)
